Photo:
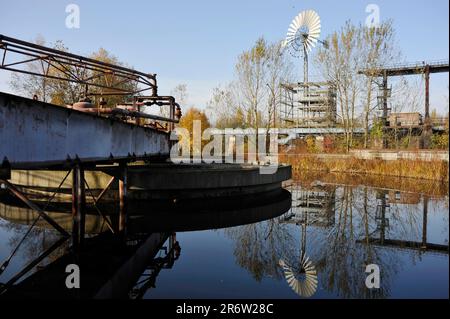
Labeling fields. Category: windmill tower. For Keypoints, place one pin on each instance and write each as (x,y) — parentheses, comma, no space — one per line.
(302,36)
(307,104)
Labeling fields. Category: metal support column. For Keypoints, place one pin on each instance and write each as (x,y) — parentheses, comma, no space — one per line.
(427,131)
(385,109)
(123,185)
(78,207)
(424,222)
(427,93)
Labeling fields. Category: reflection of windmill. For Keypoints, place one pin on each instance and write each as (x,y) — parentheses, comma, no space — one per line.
(306,287)
(305,283)
(310,208)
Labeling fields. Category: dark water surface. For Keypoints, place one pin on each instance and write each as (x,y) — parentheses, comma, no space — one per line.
(317,248)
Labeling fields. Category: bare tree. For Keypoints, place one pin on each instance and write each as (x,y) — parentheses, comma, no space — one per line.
(225,109)
(339,63)
(279,70)
(251,71)
(378,49)
(352,49)
(60,92)
(33,85)
(251,99)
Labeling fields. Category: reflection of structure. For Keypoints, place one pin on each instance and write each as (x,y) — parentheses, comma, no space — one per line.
(313,207)
(309,207)
(109,267)
(383,225)
(125,265)
(397,197)
(25,216)
(148,278)
(308,105)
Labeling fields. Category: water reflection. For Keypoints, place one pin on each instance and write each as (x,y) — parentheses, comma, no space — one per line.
(124,267)
(342,229)
(312,241)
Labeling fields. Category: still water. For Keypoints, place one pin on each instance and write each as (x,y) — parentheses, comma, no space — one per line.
(315,243)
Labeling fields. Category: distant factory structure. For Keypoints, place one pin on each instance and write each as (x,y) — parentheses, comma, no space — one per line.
(308,105)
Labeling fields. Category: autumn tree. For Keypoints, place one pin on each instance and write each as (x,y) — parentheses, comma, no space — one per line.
(30,85)
(350,50)
(62,92)
(103,55)
(188,122)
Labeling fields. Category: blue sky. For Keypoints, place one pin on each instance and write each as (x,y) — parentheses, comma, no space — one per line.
(197,42)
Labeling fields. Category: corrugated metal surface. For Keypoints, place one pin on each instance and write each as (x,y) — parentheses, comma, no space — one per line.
(33,134)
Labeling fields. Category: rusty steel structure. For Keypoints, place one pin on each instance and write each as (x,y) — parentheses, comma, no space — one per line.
(311,105)
(418,68)
(72,68)
(74,137)
(98,78)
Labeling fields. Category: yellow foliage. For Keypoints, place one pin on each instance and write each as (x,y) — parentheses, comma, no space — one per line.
(187,122)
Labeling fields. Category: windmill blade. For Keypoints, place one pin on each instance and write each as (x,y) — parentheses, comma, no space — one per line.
(306,21)
(308,286)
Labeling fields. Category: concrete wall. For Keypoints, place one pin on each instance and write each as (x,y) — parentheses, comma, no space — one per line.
(421,155)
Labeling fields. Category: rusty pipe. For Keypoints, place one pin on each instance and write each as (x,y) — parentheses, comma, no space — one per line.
(126,112)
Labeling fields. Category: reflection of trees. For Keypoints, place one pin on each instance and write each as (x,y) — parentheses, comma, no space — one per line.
(442,206)
(341,263)
(363,219)
(37,241)
(258,247)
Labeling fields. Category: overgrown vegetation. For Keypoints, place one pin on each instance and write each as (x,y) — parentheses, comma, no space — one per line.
(433,170)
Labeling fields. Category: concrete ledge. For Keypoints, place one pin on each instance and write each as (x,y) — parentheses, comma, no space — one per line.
(159,181)
(419,155)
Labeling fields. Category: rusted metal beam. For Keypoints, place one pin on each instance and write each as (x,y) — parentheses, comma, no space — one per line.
(408,69)
(104,190)
(135,114)
(427,95)
(31,52)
